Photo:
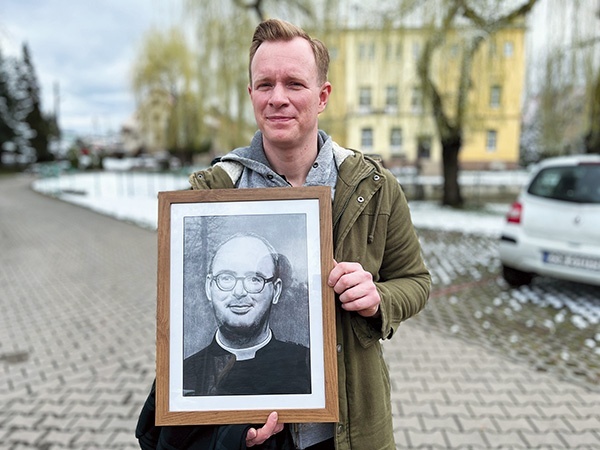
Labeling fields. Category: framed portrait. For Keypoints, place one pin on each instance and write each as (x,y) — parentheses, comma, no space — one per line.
(245,318)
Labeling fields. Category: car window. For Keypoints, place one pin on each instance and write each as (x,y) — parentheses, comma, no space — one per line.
(580,184)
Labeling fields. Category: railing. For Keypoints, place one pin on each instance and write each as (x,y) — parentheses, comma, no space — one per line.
(475,185)
(110,184)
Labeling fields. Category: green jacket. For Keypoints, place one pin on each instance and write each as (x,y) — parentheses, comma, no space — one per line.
(371,225)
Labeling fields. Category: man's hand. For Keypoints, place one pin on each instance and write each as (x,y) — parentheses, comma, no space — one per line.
(355,288)
(271,427)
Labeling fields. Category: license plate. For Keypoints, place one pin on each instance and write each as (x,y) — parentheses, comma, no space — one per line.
(569,260)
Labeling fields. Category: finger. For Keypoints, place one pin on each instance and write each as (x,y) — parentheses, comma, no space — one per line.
(250,436)
(361,304)
(358,293)
(257,437)
(358,281)
(270,425)
(335,274)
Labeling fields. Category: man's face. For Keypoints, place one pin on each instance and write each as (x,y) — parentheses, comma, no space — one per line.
(286,95)
(237,311)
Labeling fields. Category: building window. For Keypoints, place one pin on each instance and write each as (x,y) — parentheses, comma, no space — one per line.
(416,50)
(366,138)
(491,140)
(393,52)
(416,100)
(366,52)
(391,98)
(364,98)
(389,51)
(424,147)
(396,140)
(495,96)
(362,52)
(509,49)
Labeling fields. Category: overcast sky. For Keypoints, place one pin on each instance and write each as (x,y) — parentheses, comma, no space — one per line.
(88,47)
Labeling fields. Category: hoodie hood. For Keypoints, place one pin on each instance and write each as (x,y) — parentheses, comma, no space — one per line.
(257,172)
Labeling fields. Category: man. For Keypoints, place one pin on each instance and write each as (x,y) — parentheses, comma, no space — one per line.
(379,277)
(244,358)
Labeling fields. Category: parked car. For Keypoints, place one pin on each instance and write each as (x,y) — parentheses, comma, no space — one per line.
(553,229)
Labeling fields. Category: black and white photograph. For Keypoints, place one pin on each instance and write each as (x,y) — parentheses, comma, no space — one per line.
(246,305)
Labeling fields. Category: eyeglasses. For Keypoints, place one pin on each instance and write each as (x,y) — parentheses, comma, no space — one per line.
(253,284)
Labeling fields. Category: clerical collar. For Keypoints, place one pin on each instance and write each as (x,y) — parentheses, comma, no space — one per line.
(243,354)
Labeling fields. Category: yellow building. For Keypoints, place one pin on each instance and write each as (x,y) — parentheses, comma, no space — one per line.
(377,102)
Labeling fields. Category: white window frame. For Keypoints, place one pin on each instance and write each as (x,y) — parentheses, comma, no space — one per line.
(366,138)
(396,140)
(416,100)
(495,96)
(491,141)
(365,99)
(366,51)
(392,98)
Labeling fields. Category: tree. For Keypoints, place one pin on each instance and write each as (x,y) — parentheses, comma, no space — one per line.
(221,48)
(276,7)
(450,117)
(7,132)
(14,108)
(39,124)
(592,139)
(24,129)
(563,96)
(163,82)
(222,77)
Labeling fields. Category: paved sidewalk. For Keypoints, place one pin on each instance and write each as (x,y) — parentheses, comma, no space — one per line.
(77,295)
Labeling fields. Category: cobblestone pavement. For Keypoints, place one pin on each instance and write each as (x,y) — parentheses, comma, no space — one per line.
(551,325)
(77,295)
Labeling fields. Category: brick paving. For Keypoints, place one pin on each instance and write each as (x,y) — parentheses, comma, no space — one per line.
(551,325)
(77,295)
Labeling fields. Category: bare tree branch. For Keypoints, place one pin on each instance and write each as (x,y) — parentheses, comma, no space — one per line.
(430,91)
(255,5)
(489,26)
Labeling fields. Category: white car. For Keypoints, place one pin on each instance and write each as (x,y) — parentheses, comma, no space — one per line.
(553,229)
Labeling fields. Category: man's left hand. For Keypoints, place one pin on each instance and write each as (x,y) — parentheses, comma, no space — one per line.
(355,288)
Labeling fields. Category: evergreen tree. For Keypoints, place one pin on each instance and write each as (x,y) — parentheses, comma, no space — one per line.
(38,123)
(14,107)
(6,130)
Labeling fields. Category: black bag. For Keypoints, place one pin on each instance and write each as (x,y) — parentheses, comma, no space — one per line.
(199,437)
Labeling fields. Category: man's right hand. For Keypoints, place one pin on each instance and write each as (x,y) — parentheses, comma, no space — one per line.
(271,427)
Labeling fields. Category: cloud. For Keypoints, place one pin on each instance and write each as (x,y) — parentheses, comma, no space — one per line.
(87,48)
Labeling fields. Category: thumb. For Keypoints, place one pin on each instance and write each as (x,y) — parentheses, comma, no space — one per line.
(272,420)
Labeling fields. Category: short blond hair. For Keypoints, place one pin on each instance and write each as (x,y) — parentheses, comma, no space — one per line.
(272,30)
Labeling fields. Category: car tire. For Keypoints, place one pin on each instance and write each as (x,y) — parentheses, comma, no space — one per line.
(516,277)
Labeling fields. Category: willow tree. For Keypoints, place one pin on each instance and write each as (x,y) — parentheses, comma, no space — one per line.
(592,139)
(563,93)
(222,32)
(164,76)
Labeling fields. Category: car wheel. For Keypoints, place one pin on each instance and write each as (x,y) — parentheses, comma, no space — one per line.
(516,277)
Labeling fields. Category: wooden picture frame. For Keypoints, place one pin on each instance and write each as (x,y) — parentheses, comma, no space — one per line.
(192,225)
